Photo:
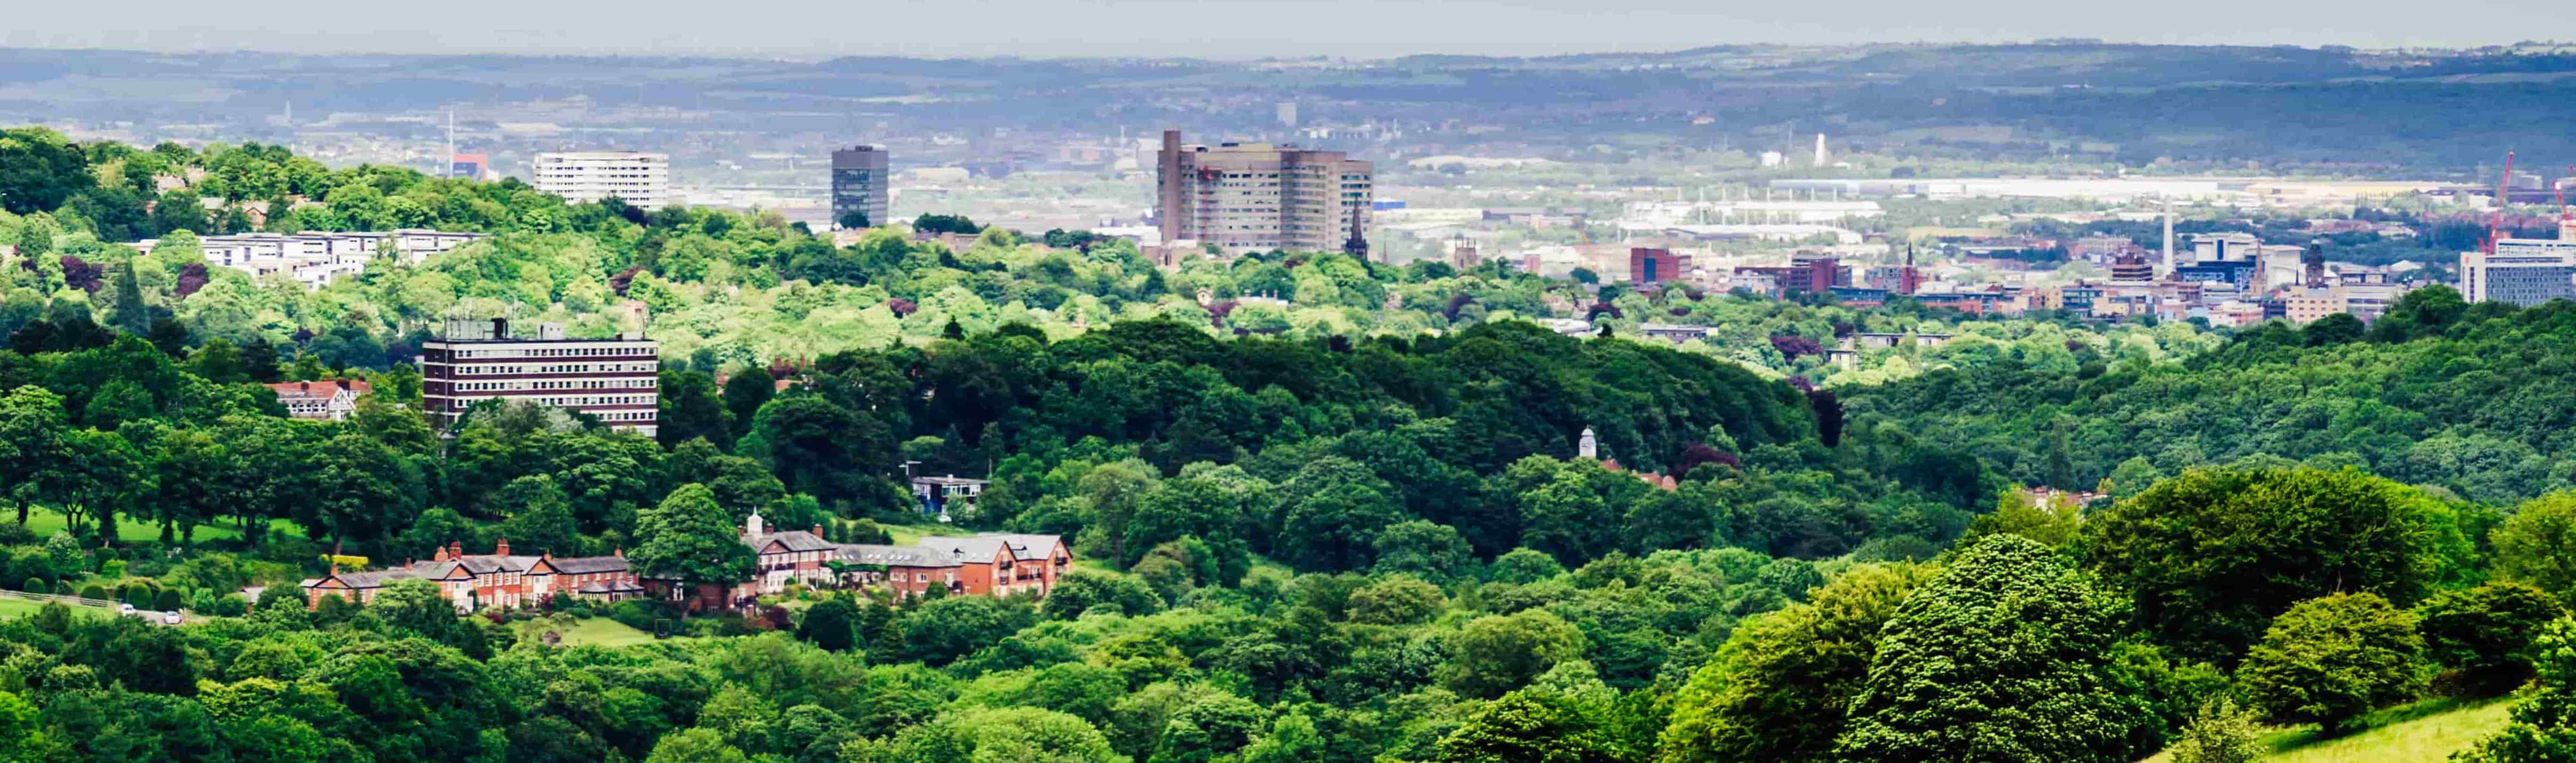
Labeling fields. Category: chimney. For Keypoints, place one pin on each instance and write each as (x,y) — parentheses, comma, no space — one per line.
(502,548)
(818,531)
(619,553)
(441,556)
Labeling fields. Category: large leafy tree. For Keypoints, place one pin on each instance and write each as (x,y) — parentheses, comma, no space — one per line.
(1779,688)
(32,428)
(2004,655)
(2329,660)
(2537,545)
(688,538)
(39,170)
(2210,557)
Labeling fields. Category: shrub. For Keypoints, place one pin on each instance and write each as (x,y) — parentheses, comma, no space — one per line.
(2487,631)
(2221,733)
(167,600)
(36,585)
(2330,659)
(93,591)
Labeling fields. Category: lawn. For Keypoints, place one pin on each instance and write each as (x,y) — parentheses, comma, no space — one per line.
(2428,730)
(601,631)
(45,522)
(12,607)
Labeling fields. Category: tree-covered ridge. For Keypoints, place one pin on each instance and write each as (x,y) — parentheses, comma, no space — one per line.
(2438,393)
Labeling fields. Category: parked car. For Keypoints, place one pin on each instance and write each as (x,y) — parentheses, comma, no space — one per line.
(171,618)
(125,610)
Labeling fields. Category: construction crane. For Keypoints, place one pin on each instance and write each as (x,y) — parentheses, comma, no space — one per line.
(2504,193)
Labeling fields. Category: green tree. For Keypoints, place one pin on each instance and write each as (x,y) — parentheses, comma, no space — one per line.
(1335,511)
(1529,727)
(831,624)
(2537,545)
(32,428)
(1779,687)
(39,170)
(997,734)
(689,538)
(2220,733)
(2487,631)
(2003,655)
(2329,660)
(1495,653)
(2211,557)
(1395,600)
(538,515)
(695,746)
(1080,590)
(2544,721)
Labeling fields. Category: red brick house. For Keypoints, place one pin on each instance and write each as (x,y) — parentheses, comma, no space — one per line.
(495,580)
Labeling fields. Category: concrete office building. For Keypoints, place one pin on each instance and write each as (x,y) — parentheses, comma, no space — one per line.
(2521,271)
(475,360)
(640,179)
(859,185)
(1256,197)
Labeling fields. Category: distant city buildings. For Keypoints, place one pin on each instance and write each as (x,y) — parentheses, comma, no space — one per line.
(642,180)
(859,186)
(315,258)
(616,380)
(1255,197)
(1651,265)
(2520,271)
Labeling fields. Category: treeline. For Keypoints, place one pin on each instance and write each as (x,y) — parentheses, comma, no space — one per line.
(2437,392)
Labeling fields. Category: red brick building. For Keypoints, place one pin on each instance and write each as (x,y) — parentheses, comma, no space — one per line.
(495,580)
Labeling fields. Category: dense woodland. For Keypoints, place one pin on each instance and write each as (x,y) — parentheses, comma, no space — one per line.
(1358,530)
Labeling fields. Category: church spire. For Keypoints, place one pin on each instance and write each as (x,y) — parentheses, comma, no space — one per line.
(1357,246)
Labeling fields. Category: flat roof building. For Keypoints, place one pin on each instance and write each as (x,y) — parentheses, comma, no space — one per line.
(616,380)
(640,179)
(859,185)
(2520,271)
(1256,197)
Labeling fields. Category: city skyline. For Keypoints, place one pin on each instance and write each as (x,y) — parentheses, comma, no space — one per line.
(1107,28)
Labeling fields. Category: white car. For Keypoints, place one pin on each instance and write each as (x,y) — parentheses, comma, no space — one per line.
(125,610)
(171,618)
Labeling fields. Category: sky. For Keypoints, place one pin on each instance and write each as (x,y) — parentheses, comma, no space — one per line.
(1237,28)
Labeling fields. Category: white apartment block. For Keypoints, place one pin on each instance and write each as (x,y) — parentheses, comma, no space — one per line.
(315,258)
(640,179)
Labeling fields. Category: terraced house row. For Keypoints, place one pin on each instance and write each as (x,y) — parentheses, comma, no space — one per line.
(986,564)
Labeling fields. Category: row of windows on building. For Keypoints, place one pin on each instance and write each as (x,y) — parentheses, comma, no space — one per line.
(571,401)
(557,352)
(553,368)
(624,415)
(500,386)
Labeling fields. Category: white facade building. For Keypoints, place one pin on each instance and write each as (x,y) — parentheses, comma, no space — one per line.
(640,179)
(315,258)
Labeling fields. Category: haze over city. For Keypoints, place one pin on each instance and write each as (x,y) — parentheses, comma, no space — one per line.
(1287,381)
(1239,28)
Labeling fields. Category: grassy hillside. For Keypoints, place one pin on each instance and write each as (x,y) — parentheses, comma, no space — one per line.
(2424,731)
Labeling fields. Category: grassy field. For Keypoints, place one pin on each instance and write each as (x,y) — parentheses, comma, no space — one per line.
(601,631)
(12,608)
(45,522)
(2429,730)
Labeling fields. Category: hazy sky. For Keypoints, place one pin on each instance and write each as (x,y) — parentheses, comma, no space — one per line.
(1237,28)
